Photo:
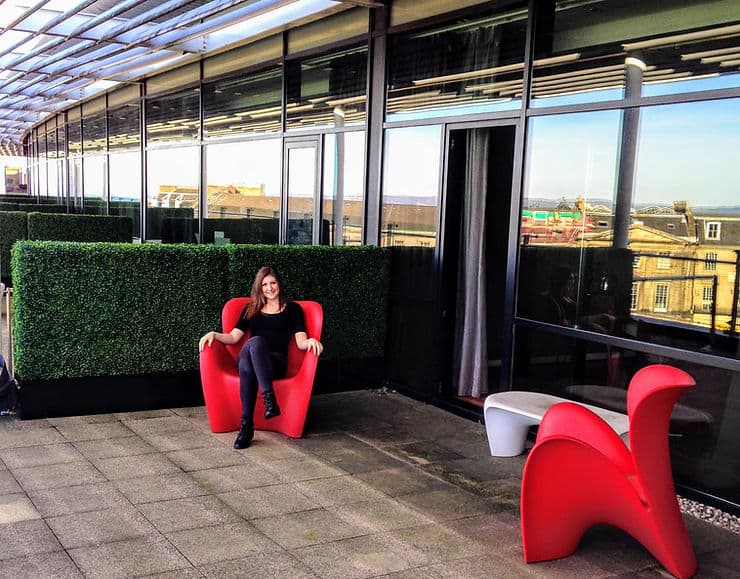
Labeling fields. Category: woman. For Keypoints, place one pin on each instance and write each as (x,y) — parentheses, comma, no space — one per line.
(272,322)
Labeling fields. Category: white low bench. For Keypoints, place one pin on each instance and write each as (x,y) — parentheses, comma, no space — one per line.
(508,416)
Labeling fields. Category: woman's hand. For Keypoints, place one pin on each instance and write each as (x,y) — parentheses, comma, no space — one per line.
(313,345)
(206,340)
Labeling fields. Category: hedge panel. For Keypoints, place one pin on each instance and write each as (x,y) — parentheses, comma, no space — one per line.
(351,283)
(42,207)
(97,309)
(53,227)
(13,226)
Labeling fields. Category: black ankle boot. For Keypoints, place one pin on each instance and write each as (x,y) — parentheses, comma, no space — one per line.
(271,406)
(246,433)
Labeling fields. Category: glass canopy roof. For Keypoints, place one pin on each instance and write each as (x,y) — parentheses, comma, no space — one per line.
(54,53)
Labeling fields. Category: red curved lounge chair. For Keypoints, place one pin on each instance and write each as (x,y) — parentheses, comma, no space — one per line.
(220,377)
(580,473)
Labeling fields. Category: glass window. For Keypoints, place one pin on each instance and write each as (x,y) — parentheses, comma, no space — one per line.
(586,167)
(634,295)
(463,67)
(243,199)
(703,442)
(343,188)
(607,49)
(328,90)
(93,134)
(411,183)
(301,175)
(124,164)
(173,183)
(93,172)
(707,297)
(661,297)
(74,139)
(666,171)
(250,104)
(124,128)
(173,118)
(713,229)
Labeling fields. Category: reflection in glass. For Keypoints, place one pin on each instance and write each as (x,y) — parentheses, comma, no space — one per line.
(584,51)
(237,106)
(411,186)
(74,139)
(467,67)
(243,199)
(328,90)
(124,164)
(174,117)
(703,424)
(125,186)
(343,187)
(173,177)
(668,275)
(94,183)
(93,134)
(301,188)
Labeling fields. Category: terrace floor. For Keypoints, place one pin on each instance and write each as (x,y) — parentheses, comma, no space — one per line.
(381,485)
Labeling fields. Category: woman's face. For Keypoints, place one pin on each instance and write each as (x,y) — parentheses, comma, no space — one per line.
(270,287)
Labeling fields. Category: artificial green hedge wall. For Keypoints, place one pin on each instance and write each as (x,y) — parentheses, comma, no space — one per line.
(350,282)
(109,309)
(49,226)
(42,208)
(13,226)
(97,309)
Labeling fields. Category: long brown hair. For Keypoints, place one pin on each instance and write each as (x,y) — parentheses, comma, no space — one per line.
(258,300)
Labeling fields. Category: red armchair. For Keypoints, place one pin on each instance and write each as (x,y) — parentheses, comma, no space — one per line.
(580,473)
(220,377)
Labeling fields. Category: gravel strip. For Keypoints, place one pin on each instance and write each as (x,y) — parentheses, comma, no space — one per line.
(710,514)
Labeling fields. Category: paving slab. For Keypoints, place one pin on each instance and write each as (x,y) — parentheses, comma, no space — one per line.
(26,538)
(96,527)
(339,490)
(305,528)
(33,435)
(206,458)
(16,507)
(267,566)
(168,423)
(56,565)
(188,513)
(8,484)
(246,475)
(57,475)
(78,431)
(354,558)
(180,440)
(121,467)
(150,489)
(130,445)
(129,558)
(221,542)
(380,515)
(28,456)
(273,500)
(403,480)
(81,498)
(298,469)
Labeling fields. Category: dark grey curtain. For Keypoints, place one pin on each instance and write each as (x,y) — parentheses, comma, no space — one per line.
(471,353)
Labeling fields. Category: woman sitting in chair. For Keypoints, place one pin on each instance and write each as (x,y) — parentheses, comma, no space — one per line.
(272,322)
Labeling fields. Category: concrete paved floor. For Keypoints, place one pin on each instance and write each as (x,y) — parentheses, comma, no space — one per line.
(380,485)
